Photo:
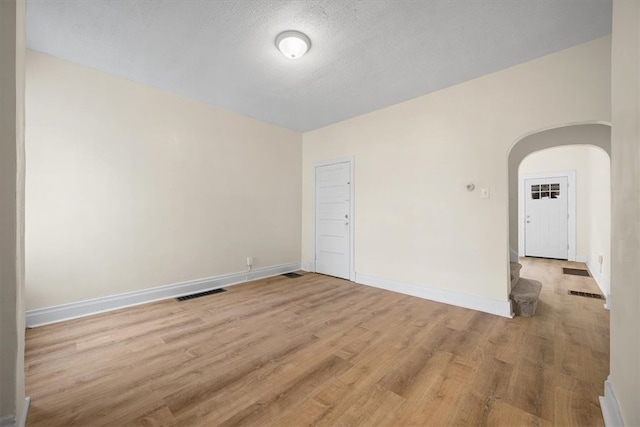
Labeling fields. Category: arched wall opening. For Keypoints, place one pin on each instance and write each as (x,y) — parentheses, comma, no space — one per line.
(590,135)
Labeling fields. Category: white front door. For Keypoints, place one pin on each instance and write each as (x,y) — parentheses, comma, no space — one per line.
(333,219)
(546,217)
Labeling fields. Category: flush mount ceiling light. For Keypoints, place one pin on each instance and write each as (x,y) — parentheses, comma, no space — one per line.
(293,44)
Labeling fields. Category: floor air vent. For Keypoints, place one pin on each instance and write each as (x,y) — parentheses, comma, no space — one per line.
(292,275)
(575,271)
(586,294)
(200,294)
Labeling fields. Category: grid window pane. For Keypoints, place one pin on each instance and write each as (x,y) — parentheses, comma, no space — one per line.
(546,191)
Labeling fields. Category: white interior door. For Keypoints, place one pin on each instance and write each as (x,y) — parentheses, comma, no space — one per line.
(333,219)
(547,217)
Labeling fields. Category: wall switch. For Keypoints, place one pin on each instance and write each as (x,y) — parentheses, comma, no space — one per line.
(484,193)
(249,261)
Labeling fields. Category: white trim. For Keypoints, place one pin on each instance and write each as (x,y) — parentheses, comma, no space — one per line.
(352,216)
(609,407)
(602,282)
(25,412)
(571,223)
(44,316)
(474,302)
(309,266)
(10,420)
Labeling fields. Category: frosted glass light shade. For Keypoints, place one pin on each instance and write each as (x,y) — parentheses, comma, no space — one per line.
(293,44)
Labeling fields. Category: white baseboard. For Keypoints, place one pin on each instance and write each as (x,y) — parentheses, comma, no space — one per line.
(25,412)
(609,407)
(487,305)
(309,266)
(59,313)
(602,282)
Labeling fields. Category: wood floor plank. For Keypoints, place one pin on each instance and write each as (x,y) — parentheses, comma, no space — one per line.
(290,395)
(434,397)
(161,417)
(319,351)
(375,407)
(505,415)
(529,390)
(339,396)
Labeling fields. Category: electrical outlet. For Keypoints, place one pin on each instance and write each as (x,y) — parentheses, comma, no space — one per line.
(249,261)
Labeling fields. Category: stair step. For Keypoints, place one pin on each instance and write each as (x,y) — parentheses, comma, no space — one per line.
(525,295)
(515,273)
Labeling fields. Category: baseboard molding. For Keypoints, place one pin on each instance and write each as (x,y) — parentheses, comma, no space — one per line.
(25,412)
(609,407)
(603,283)
(487,305)
(309,266)
(59,313)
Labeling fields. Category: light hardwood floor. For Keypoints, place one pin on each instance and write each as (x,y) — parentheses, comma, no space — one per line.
(322,351)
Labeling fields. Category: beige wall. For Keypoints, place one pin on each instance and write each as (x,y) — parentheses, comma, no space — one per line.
(414,220)
(599,164)
(12,16)
(625,213)
(593,199)
(130,187)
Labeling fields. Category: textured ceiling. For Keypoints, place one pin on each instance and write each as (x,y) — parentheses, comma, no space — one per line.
(365,55)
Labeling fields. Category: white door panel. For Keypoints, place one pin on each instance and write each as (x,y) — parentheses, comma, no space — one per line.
(332,264)
(333,219)
(331,227)
(332,212)
(331,174)
(332,244)
(333,194)
(546,217)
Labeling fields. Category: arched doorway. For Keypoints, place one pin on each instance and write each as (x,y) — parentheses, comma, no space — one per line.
(571,136)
